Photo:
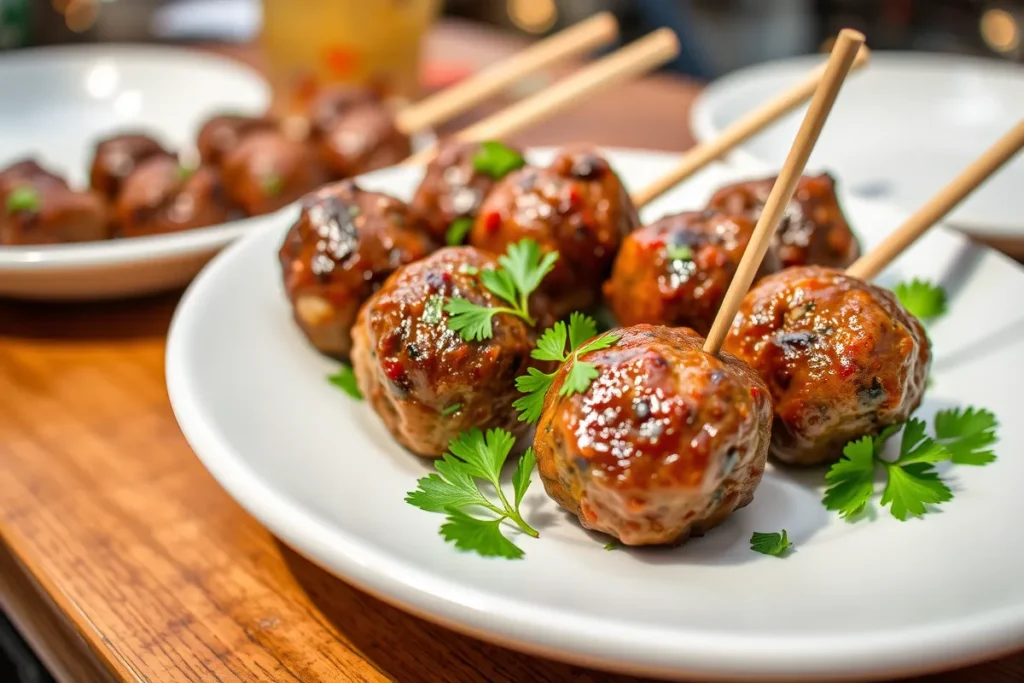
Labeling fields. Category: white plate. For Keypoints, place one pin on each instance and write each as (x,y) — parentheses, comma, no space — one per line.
(874,598)
(901,129)
(59,101)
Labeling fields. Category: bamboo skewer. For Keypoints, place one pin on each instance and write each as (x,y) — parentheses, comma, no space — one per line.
(871,264)
(598,30)
(843,54)
(740,131)
(637,58)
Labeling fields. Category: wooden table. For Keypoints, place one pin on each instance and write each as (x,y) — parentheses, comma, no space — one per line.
(122,559)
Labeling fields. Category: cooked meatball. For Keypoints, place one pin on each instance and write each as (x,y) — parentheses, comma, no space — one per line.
(222,134)
(813,231)
(576,206)
(362,139)
(28,170)
(42,209)
(452,188)
(268,171)
(841,357)
(665,443)
(161,196)
(115,159)
(344,245)
(334,102)
(676,270)
(427,384)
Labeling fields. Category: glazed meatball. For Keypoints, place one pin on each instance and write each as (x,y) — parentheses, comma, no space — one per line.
(665,443)
(813,231)
(452,188)
(676,270)
(427,384)
(42,209)
(334,102)
(223,133)
(28,170)
(362,139)
(161,196)
(576,206)
(268,171)
(344,245)
(116,158)
(841,357)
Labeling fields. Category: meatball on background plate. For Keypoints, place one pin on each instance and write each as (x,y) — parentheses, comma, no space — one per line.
(852,599)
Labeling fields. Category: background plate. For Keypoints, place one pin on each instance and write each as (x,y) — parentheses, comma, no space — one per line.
(878,597)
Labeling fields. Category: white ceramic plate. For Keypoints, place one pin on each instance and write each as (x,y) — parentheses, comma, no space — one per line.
(59,101)
(901,129)
(875,598)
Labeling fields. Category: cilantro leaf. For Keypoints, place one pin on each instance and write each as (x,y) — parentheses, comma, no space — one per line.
(774,544)
(472,322)
(521,477)
(500,283)
(271,183)
(967,434)
(458,230)
(601,343)
(535,385)
(579,378)
(915,446)
(525,265)
(453,489)
(482,536)
(551,345)
(611,545)
(926,301)
(23,199)
(496,160)
(911,487)
(851,479)
(345,380)
(581,328)
(679,252)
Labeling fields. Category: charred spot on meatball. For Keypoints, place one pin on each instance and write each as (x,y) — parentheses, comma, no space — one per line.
(841,357)
(345,244)
(676,270)
(665,442)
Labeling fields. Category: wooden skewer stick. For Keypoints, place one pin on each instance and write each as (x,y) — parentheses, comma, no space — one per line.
(740,131)
(637,58)
(871,264)
(600,29)
(839,63)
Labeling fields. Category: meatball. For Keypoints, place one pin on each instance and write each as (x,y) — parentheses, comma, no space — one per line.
(344,245)
(161,196)
(334,102)
(28,170)
(452,188)
(665,443)
(427,384)
(268,171)
(813,231)
(362,139)
(115,159)
(841,357)
(222,134)
(42,209)
(576,206)
(676,270)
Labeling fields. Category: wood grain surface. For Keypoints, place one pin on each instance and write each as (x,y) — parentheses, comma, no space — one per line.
(122,559)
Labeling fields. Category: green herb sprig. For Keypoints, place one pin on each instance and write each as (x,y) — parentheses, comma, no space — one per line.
(774,544)
(496,160)
(925,300)
(345,379)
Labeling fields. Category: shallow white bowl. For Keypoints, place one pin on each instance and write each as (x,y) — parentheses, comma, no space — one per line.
(902,128)
(59,101)
(875,598)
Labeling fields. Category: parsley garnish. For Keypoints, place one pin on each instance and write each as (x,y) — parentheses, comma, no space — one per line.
(967,435)
(522,269)
(911,480)
(496,160)
(23,199)
(453,489)
(611,545)
(551,347)
(272,184)
(432,310)
(924,300)
(345,380)
(452,409)
(774,544)
(183,172)
(679,252)
(458,230)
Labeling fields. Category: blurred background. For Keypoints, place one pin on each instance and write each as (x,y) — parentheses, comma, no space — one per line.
(718,35)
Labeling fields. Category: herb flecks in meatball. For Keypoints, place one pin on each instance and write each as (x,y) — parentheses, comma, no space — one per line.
(665,442)
(841,357)
(38,207)
(268,171)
